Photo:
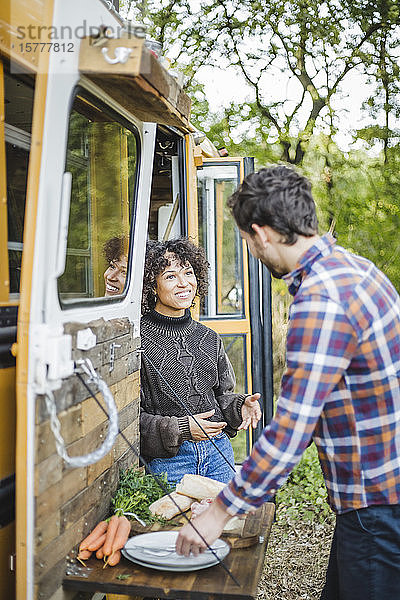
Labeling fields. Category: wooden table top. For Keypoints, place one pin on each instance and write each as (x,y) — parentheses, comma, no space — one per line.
(128,578)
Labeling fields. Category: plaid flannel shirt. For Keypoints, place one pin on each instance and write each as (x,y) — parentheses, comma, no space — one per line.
(341,387)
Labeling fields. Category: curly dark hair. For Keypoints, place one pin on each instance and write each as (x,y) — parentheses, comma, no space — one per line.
(115,247)
(279,197)
(185,252)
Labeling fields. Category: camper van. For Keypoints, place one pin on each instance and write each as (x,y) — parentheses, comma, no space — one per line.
(96,142)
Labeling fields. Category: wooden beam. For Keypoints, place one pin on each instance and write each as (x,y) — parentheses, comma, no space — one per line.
(141,85)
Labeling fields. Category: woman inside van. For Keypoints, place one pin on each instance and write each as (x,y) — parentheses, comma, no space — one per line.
(115,251)
(187,381)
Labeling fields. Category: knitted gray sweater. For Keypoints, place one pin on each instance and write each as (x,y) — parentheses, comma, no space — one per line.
(192,359)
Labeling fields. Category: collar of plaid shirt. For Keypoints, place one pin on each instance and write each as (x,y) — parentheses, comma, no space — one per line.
(321,248)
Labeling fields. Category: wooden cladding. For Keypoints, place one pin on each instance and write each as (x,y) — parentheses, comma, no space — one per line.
(69,502)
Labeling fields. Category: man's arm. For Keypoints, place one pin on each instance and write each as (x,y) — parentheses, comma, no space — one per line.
(209,523)
(320,345)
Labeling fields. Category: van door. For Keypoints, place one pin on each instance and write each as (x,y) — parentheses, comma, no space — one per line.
(87,197)
(238,304)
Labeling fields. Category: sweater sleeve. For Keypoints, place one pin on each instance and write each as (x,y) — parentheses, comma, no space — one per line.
(229,402)
(160,435)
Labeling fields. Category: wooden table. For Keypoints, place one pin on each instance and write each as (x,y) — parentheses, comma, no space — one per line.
(246,564)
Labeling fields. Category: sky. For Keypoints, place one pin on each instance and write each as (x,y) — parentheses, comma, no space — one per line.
(224,85)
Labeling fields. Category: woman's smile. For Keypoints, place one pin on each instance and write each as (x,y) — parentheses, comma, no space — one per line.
(176,288)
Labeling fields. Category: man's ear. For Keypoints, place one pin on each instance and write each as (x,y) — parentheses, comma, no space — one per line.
(261,233)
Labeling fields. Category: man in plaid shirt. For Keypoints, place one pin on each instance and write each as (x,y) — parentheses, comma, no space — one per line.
(341,389)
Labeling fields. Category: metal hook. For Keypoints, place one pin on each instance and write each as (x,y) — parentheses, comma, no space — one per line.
(121,55)
(87,367)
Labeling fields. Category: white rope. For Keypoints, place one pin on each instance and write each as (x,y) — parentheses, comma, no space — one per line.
(99,453)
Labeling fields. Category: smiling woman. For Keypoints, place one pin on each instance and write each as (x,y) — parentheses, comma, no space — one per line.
(116,255)
(101,158)
(187,393)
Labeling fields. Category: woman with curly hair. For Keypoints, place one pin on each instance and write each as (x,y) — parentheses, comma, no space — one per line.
(115,251)
(184,364)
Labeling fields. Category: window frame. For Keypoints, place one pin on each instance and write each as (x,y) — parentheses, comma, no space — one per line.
(222,316)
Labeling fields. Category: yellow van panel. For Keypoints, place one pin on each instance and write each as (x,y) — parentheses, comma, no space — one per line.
(7,422)
(7,545)
(19,23)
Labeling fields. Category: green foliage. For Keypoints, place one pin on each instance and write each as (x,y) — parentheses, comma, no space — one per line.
(309,46)
(136,491)
(303,496)
(359,196)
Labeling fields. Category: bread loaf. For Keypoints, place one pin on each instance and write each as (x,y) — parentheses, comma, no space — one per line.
(199,487)
(235,525)
(165,508)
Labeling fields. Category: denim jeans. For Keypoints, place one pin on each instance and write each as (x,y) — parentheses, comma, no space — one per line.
(199,458)
(364,563)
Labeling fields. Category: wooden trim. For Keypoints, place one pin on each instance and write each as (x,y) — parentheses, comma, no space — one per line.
(141,85)
(15,18)
(226,327)
(192,202)
(226,159)
(24,317)
(219,238)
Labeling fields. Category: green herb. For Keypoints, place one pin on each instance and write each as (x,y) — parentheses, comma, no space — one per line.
(136,491)
(303,496)
(122,577)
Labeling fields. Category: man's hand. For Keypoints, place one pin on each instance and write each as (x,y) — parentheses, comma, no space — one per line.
(213,428)
(251,412)
(209,523)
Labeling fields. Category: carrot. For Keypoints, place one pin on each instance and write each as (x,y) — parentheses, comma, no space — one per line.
(97,532)
(83,555)
(122,534)
(114,558)
(96,544)
(110,535)
(100,553)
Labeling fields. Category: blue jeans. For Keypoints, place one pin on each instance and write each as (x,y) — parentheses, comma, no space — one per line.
(364,563)
(198,458)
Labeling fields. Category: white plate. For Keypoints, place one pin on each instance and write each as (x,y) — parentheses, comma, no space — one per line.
(175,569)
(139,549)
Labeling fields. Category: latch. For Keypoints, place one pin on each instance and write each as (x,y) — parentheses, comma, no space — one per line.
(11,562)
(112,355)
(53,357)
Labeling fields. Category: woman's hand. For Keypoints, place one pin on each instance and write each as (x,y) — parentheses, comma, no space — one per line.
(212,428)
(251,412)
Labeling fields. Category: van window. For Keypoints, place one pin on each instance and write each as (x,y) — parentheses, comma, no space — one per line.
(102,156)
(220,237)
(166,214)
(18,101)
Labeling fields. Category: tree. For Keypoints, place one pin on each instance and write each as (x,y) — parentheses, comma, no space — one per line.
(314,45)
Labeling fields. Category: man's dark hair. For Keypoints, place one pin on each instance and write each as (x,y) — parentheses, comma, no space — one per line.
(114,248)
(185,252)
(279,197)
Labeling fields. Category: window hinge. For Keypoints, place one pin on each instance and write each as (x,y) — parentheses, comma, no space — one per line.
(53,357)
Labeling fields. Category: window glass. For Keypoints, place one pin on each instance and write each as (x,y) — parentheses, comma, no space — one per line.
(165,198)
(18,104)
(102,156)
(18,101)
(220,237)
(235,347)
(17,173)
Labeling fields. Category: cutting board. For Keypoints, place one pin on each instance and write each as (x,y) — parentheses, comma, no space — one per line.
(246,532)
